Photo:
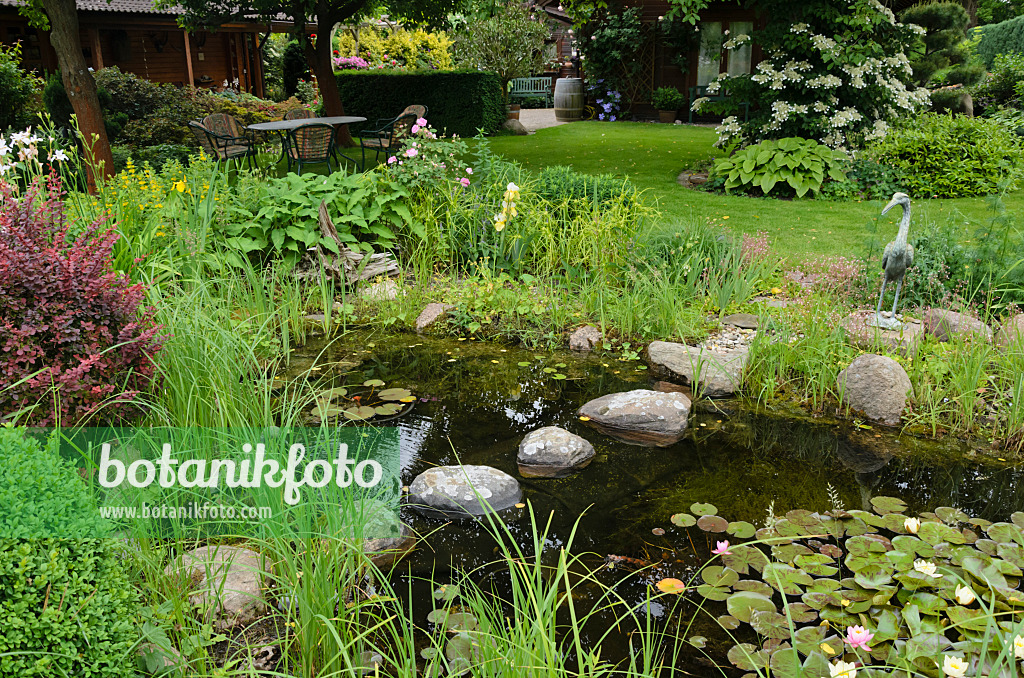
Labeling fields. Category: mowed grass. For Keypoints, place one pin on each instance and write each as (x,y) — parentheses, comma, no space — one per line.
(652,156)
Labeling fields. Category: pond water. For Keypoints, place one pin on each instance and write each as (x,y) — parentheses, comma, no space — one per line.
(477,402)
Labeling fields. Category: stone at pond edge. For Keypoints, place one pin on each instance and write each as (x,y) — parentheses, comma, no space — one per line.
(386,551)
(904,341)
(553,452)
(640,417)
(517,128)
(1012,331)
(746,321)
(943,324)
(386,290)
(227,583)
(448,491)
(430,314)
(585,338)
(721,371)
(877,386)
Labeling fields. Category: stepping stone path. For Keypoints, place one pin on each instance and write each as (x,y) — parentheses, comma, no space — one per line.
(944,324)
(553,452)
(459,491)
(430,314)
(877,386)
(1011,332)
(227,583)
(639,417)
(585,338)
(721,369)
(904,341)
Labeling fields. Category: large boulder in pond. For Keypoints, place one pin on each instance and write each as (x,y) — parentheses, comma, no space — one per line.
(553,452)
(719,371)
(877,386)
(943,324)
(463,491)
(226,583)
(639,417)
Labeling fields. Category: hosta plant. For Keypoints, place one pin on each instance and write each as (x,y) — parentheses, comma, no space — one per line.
(799,164)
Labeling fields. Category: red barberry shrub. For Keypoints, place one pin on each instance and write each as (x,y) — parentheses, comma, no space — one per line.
(75,339)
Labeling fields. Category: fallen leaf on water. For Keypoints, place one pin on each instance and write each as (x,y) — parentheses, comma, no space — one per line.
(670,585)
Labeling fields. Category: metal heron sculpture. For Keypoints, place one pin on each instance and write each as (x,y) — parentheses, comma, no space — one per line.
(896,259)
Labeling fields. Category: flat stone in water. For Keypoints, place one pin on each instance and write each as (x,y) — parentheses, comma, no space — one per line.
(747,321)
(553,452)
(463,491)
(640,417)
(721,370)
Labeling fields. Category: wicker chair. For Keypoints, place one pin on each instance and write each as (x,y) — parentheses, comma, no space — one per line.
(390,133)
(224,138)
(298,114)
(313,143)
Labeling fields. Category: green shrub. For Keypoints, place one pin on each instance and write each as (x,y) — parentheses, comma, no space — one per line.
(559,182)
(866,179)
(16,89)
(293,67)
(157,156)
(459,102)
(667,99)
(132,95)
(998,89)
(1005,37)
(799,164)
(950,156)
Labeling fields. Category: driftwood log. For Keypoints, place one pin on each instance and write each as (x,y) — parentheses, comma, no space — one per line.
(356,265)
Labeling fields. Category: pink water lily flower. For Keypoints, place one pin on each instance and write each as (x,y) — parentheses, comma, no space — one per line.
(858,636)
(722,550)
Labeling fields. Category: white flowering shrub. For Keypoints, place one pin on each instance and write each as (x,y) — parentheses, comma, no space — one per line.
(836,72)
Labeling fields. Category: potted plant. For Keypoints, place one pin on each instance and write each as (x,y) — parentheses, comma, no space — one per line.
(667,100)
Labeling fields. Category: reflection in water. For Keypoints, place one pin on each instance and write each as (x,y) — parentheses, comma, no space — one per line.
(745,462)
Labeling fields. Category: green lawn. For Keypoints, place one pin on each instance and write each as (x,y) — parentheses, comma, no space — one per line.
(652,155)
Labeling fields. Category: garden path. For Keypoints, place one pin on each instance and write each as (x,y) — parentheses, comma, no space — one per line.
(534,119)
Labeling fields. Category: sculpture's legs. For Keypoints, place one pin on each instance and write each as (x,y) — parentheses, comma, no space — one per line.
(899,285)
(881,297)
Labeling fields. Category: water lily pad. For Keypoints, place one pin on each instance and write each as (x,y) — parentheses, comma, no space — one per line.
(332,393)
(819,600)
(744,558)
(523,364)
(788,553)
(825,586)
(461,621)
(712,523)
(428,652)
(697,641)
(770,624)
(373,382)
(327,412)
(809,638)
(728,622)
(888,505)
(743,604)
(558,375)
(1017,518)
(1011,553)
(934,533)
(926,603)
(683,520)
(785,663)
(747,657)
(951,516)
(787,528)
(699,509)
(741,529)
(717,575)
(394,393)
(755,586)
(817,564)
(786,579)
(1005,533)
(967,619)
(387,409)
(713,592)
(447,592)
(802,613)
(831,550)
(359,413)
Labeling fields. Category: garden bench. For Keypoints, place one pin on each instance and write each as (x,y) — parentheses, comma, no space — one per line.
(526,88)
(701,91)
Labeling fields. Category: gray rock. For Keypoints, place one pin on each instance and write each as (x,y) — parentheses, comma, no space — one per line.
(1011,332)
(747,321)
(227,583)
(640,417)
(943,324)
(386,551)
(859,333)
(386,290)
(877,386)
(553,452)
(721,371)
(585,338)
(430,314)
(460,491)
(515,127)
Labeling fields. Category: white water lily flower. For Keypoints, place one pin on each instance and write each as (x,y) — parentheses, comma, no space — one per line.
(926,568)
(842,669)
(912,525)
(1018,647)
(965,596)
(954,667)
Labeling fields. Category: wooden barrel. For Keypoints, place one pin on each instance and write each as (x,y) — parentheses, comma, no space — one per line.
(568,99)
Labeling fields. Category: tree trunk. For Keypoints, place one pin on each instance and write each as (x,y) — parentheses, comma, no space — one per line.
(78,83)
(323,66)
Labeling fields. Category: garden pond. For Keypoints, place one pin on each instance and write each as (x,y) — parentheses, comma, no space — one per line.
(476,401)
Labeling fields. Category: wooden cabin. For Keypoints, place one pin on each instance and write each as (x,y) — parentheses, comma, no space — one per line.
(139,38)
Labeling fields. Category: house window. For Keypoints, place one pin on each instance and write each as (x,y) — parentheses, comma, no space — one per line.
(712,59)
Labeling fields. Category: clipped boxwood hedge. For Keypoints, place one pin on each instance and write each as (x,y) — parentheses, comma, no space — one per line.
(1005,37)
(458,102)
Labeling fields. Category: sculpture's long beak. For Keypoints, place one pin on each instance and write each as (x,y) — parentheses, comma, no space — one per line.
(892,203)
